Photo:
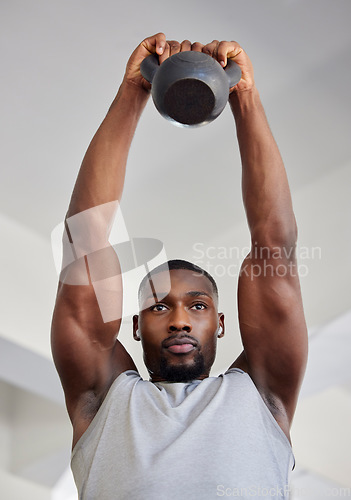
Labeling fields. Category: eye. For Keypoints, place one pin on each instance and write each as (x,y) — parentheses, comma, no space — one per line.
(199,306)
(158,307)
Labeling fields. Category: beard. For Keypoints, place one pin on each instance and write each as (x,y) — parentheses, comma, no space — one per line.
(182,372)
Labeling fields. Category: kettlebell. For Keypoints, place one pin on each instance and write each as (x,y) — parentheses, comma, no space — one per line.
(190,88)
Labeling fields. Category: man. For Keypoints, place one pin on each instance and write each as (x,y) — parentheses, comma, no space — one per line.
(182,434)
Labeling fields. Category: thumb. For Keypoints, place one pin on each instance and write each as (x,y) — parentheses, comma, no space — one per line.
(155,43)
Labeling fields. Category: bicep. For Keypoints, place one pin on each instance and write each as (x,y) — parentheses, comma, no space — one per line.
(273,329)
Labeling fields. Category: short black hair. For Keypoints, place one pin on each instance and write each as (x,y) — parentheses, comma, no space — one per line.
(178,264)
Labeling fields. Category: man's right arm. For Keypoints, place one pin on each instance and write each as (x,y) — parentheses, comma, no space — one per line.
(87,355)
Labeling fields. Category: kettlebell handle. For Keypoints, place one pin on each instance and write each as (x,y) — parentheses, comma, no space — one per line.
(150,65)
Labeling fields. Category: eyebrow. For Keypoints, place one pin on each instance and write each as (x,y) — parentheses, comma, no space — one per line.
(191,293)
(195,293)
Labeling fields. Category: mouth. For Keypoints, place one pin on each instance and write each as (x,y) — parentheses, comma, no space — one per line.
(182,345)
(180,348)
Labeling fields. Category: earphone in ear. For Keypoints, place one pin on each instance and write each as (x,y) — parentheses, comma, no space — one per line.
(137,334)
(220,331)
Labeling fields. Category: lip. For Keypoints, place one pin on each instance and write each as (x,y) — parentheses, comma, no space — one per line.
(180,348)
(180,345)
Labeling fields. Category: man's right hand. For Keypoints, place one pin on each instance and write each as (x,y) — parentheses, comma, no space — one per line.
(151,45)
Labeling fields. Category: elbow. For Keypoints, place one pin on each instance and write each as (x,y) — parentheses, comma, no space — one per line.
(278,236)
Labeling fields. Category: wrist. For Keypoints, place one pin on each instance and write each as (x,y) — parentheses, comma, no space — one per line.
(245,101)
(131,95)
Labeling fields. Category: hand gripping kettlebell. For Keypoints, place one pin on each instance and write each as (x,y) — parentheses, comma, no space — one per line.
(190,88)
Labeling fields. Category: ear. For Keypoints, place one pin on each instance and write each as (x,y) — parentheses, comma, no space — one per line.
(221,327)
(136,334)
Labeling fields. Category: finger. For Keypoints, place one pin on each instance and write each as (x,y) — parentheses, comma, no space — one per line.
(211,48)
(174,46)
(185,45)
(155,43)
(227,50)
(165,54)
(197,46)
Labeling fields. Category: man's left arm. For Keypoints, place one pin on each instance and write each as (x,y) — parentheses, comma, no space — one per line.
(271,316)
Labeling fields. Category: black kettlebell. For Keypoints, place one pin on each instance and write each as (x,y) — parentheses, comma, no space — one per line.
(190,88)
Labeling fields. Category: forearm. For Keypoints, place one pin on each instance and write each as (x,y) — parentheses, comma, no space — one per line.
(102,173)
(265,188)
(100,181)
(99,186)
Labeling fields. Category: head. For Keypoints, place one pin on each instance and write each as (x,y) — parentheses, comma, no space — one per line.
(178,323)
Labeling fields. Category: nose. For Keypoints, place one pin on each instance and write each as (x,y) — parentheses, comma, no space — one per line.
(179,321)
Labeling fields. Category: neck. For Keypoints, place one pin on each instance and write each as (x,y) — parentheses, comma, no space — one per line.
(156,378)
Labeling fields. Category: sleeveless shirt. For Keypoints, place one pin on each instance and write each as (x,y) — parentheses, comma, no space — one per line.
(176,441)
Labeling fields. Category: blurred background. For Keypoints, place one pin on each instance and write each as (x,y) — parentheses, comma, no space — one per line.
(62,63)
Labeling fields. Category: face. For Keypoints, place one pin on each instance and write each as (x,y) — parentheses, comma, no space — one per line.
(178,330)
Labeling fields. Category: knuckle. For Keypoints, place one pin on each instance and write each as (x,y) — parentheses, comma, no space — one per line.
(197,46)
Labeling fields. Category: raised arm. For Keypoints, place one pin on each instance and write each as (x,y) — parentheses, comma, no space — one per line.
(271,315)
(87,355)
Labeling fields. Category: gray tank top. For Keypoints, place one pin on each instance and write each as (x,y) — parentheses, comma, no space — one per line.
(174,441)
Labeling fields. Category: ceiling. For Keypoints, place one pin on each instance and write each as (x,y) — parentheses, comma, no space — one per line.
(62,63)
